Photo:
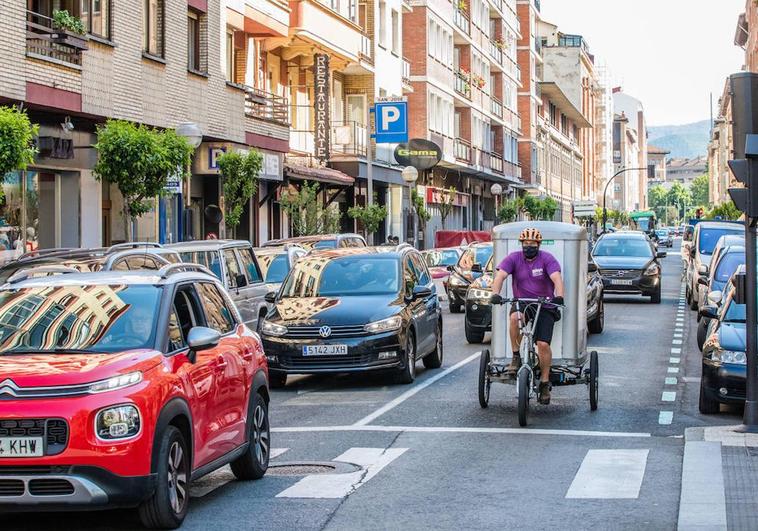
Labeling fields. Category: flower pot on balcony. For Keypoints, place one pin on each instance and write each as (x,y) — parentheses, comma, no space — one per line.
(61,36)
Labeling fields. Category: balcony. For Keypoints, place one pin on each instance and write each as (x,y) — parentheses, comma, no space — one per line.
(329,26)
(498,4)
(462,150)
(44,42)
(367,49)
(496,163)
(462,21)
(348,139)
(406,77)
(496,51)
(265,106)
(538,45)
(496,107)
(463,84)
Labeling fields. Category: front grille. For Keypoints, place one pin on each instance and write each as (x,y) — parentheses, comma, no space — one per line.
(326,362)
(610,274)
(53,431)
(312,332)
(50,487)
(11,487)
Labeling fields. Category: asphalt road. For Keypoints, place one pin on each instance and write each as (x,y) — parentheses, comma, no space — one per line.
(432,458)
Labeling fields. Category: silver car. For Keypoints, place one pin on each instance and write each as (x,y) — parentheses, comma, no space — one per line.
(234,263)
(276,262)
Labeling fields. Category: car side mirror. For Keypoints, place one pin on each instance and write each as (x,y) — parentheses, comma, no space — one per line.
(703,269)
(476,268)
(421,292)
(661,254)
(201,338)
(715,297)
(591,267)
(710,311)
(270,297)
(240,280)
(702,281)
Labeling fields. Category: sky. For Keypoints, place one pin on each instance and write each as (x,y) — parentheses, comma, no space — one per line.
(670,54)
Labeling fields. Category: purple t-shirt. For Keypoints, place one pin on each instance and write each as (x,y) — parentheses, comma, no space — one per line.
(531,278)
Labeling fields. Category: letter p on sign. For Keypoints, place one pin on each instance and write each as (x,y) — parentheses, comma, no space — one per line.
(389,115)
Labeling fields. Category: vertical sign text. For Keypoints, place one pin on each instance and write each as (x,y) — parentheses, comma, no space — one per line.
(321,102)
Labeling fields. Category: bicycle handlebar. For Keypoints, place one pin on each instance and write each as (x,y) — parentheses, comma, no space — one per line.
(541,300)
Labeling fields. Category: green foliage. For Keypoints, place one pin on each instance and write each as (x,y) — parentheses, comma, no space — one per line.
(538,208)
(418,202)
(240,176)
(63,20)
(508,211)
(446,207)
(139,160)
(657,196)
(370,217)
(16,141)
(307,213)
(727,211)
(699,190)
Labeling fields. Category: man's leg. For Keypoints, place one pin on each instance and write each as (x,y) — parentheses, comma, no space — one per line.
(545,354)
(514,332)
(543,336)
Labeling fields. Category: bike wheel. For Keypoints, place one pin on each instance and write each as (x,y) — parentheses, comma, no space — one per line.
(523,385)
(593,384)
(484,378)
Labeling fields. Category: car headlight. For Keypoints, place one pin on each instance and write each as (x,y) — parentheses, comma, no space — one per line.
(652,269)
(117,422)
(730,356)
(455,280)
(117,382)
(272,329)
(385,325)
(476,293)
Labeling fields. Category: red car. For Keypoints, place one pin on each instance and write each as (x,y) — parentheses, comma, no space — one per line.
(120,388)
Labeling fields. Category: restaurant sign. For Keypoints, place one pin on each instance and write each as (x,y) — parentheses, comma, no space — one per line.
(321,103)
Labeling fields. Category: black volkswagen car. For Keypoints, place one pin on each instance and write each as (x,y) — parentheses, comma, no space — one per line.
(724,358)
(464,273)
(354,310)
(629,264)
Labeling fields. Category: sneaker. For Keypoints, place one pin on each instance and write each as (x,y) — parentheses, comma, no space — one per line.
(544,393)
(514,366)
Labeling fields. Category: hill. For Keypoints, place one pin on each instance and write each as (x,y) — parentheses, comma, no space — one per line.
(684,141)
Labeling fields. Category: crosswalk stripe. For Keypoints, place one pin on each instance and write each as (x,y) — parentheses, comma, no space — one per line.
(276,452)
(371,461)
(609,474)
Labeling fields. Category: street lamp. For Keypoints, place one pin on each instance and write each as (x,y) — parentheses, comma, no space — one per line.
(496,189)
(410,175)
(194,136)
(605,190)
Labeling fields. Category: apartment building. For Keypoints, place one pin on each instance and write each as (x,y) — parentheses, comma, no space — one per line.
(529,96)
(603,131)
(151,62)
(657,166)
(632,116)
(720,151)
(624,192)
(746,35)
(465,81)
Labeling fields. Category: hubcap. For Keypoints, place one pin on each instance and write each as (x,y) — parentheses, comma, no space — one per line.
(411,358)
(260,435)
(177,478)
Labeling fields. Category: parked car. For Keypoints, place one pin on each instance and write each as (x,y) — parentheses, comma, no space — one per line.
(129,386)
(687,233)
(276,262)
(478,319)
(439,261)
(664,238)
(322,241)
(629,264)
(726,260)
(234,264)
(704,271)
(724,354)
(462,274)
(704,239)
(354,310)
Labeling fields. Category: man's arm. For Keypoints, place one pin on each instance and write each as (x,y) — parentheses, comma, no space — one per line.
(497,284)
(557,283)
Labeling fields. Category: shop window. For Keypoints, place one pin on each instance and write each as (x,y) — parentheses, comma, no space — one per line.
(153,27)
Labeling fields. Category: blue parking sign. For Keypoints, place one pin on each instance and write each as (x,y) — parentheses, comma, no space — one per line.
(391,122)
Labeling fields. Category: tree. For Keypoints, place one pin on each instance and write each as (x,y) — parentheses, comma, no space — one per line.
(306,212)
(678,195)
(548,208)
(699,190)
(16,141)
(138,160)
(447,204)
(728,211)
(418,203)
(239,173)
(532,206)
(508,211)
(370,217)
(657,196)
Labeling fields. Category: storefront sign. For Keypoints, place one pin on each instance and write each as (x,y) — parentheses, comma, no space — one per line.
(419,153)
(173,185)
(321,104)
(213,154)
(437,196)
(272,166)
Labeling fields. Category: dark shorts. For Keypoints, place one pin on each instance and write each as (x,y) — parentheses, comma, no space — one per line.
(543,329)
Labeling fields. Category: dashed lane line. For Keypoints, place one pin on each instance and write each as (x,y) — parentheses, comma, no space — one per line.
(668,396)
(665,417)
(454,429)
(674,360)
(670,381)
(673,370)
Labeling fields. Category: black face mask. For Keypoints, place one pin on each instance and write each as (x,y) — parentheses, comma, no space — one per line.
(530,251)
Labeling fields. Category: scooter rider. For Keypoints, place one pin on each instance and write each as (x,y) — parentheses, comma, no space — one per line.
(535,274)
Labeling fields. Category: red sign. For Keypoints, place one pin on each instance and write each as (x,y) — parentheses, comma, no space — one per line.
(437,196)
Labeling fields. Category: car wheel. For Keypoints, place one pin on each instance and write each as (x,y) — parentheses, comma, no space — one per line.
(434,360)
(702,332)
(472,335)
(168,505)
(254,462)
(655,298)
(408,373)
(598,323)
(455,307)
(707,404)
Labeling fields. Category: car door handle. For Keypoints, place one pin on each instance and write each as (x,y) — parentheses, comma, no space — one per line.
(221,363)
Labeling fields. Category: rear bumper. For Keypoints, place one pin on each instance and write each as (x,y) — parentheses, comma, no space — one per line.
(727,376)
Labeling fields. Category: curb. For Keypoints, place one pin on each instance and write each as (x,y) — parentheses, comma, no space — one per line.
(702,501)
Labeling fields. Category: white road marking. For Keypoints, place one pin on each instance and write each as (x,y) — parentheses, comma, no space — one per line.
(609,474)
(454,429)
(702,502)
(676,342)
(680,321)
(670,381)
(371,461)
(673,370)
(668,396)
(674,360)
(413,390)
(675,350)
(665,417)
(276,452)
(678,335)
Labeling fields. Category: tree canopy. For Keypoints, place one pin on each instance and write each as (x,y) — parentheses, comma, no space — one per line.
(240,177)
(16,141)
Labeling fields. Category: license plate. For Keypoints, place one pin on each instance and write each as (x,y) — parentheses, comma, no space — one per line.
(621,282)
(324,350)
(21,447)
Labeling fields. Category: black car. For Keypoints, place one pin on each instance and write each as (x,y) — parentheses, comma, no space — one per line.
(478,320)
(462,274)
(629,264)
(724,355)
(354,310)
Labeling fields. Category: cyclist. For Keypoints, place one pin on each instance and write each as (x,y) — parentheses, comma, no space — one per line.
(536,274)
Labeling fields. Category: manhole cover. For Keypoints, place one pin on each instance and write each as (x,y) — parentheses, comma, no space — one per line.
(307,469)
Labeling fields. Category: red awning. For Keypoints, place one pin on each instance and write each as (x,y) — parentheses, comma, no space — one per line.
(321,174)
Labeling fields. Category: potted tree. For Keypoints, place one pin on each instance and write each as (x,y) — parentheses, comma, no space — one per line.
(69,30)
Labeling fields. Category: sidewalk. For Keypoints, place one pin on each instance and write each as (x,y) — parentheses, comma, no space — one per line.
(719,480)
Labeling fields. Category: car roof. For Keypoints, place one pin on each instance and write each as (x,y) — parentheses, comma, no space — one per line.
(625,234)
(377,251)
(720,225)
(206,245)
(136,277)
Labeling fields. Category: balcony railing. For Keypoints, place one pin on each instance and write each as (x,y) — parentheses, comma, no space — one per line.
(496,107)
(496,51)
(462,149)
(462,21)
(496,163)
(367,50)
(463,84)
(265,106)
(406,72)
(349,139)
(498,4)
(45,42)
(538,45)
(511,67)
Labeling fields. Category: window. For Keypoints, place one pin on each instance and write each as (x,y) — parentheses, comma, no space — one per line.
(193,41)
(96,17)
(395,32)
(230,56)
(383,24)
(152,27)
(176,340)
(252,272)
(232,268)
(217,313)
(564,125)
(409,277)
(553,110)
(421,270)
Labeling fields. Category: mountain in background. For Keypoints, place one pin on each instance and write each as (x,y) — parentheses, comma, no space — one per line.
(684,141)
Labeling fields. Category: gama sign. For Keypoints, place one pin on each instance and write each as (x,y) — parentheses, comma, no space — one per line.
(419,153)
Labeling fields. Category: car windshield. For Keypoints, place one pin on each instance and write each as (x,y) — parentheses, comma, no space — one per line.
(709,237)
(274,267)
(209,259)
(475,255)
(82,318)
(325,244)
(444,257)
(636,247)
(348,276)
(728,265)
(662,233)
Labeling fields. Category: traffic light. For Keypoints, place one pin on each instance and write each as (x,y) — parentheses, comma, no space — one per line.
(746,172)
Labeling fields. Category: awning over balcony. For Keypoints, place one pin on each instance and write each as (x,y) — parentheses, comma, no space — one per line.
(320,174)
(557,96)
